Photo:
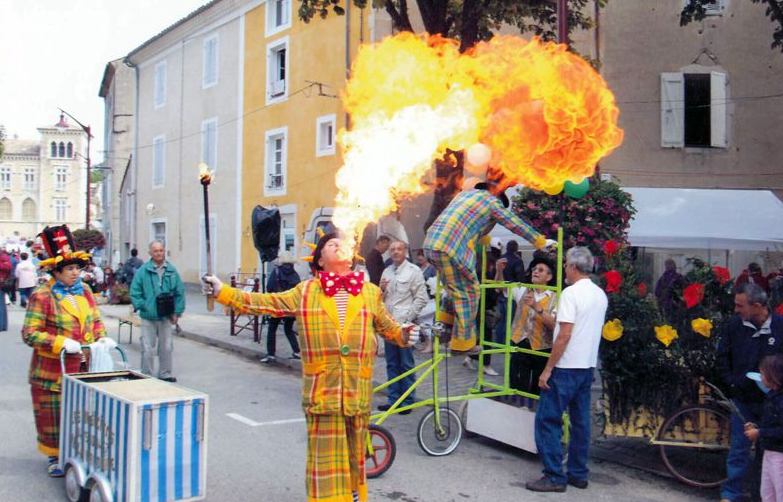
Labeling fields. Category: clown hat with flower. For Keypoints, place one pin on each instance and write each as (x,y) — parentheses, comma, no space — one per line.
(60,246)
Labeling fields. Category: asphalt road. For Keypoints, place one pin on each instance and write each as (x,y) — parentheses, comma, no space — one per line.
(256,443)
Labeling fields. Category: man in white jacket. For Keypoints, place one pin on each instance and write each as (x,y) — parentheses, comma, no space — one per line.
(405,295)
(26,278)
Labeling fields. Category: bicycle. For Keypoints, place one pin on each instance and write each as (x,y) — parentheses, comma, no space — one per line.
(694,441)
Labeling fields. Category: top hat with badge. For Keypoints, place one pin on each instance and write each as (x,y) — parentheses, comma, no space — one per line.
(61,248)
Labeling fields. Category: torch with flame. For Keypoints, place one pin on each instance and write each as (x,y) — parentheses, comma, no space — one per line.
(532,110)
(205,176)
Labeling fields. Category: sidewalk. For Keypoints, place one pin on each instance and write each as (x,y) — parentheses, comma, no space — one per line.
(212,328)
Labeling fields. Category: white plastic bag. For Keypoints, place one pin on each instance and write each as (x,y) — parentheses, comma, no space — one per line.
(100,358)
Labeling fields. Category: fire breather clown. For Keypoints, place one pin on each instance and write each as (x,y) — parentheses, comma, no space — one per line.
(62,315)
(338,315)
(449,246)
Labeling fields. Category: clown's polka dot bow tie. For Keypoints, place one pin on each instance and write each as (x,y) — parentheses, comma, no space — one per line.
(331,282)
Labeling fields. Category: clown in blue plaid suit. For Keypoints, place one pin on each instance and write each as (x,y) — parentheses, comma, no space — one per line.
(450,247)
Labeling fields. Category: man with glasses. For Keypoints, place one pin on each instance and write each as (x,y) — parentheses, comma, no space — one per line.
(566,379)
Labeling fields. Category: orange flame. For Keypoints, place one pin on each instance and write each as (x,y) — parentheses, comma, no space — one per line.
(546,115)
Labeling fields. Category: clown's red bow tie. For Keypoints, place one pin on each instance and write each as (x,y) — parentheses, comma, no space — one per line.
(331,282)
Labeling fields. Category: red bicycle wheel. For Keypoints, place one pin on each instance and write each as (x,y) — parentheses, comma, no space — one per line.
(384,449)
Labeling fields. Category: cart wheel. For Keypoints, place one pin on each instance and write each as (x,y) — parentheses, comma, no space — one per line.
(439,440)
(694,444)
(73,490)
(384,449)
(100,490)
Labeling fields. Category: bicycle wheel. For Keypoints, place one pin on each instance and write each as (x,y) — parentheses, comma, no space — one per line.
(384,449)
(439,440)
(694,443)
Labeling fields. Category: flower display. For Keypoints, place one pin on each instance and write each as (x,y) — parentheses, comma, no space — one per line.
(613,281)
(702,327)
(613,330)
(693,295)
(611,247)
(665,334)
(641,289)
(722,274)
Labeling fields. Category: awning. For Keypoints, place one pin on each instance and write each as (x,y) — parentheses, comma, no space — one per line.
(706,219)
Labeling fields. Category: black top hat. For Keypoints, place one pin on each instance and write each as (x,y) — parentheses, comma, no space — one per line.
(61,248)
(540,258)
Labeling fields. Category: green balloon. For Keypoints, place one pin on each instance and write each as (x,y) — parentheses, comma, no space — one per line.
(577,190)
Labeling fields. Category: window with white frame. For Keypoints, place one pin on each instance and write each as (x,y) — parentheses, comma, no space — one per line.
(60,178)
(277,70)
(276,156)
(209,74)
(278,16)
(54,150)
(60,209)
(694,110)
(209,142)
(324,135)
(5,177)
(160,84)
(714,8)
(6,209)
(158,161)
(158,231)
(29,179)
(288,232)
(29,210)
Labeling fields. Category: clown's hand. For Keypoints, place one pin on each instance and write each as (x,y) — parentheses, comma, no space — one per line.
(412,332)
(210,285)
(72,346)
(550,244)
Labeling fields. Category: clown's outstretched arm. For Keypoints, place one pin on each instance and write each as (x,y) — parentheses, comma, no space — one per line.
(271,304)
(519,226)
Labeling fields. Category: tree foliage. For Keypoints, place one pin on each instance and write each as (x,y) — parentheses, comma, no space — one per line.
(87,239)
(2,141)
(696,10)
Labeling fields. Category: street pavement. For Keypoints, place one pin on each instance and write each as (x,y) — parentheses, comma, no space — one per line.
(257,435)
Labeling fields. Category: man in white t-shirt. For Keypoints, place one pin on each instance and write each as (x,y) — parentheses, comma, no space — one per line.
(566,380)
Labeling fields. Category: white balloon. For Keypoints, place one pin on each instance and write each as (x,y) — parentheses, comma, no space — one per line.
(479,154)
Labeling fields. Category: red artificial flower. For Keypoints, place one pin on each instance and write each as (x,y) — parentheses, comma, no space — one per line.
(693,294)
(722,274)
(641,288)
(611,247)
(779,310)
(613,281)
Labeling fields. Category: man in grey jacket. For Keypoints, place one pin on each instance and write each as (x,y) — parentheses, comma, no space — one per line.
(404,294)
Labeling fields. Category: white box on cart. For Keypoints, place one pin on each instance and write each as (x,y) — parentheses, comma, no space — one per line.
(139,438)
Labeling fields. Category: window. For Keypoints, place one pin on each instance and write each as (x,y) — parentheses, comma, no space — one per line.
(6,209)
(694,110)
(60,210)
(209,74)
(324,135)
(276,154)
(209,142)
(61,150)
(202,263)
(29,210)
(5,177)
(158,231)
(160,84)
(53,153)
(277,71)
(715,8)
(60,178)
(278,16)
(158,161)
(288,232)
(70,150)
(29,178)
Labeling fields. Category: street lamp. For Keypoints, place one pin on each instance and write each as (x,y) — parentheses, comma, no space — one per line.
(86,129)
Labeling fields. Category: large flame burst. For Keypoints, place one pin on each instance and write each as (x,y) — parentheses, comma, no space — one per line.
(546,115)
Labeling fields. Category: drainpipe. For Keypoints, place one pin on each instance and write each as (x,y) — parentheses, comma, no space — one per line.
(135,155)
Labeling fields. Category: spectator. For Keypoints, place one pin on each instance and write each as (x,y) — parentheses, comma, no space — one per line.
(12,290)
(404,295)
(374,261)
(158,294)
(513,271)
(5,273)
(131,266)
(753,275)
(533,325)
(426,267)
(769,431)
(748,336)
(566,379)
(669,282)
(515,267)
(283,278)
(26,277)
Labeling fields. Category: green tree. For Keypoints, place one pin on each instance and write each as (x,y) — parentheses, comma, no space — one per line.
(696,10)
(2,141)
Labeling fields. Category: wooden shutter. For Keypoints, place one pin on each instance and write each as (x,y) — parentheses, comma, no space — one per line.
(672,110)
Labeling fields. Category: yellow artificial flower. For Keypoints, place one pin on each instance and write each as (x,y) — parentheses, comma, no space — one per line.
(665,334)
(702,327)
(613,330)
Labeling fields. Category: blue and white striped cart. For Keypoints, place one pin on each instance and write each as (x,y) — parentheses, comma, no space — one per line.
(126,437)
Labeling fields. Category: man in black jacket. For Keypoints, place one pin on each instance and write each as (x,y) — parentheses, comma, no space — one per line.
(374,261)
(753,333)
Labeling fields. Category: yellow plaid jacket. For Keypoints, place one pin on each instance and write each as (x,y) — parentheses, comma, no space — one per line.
(333,383)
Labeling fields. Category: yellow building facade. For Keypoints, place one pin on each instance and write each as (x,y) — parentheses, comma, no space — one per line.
(293,74)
